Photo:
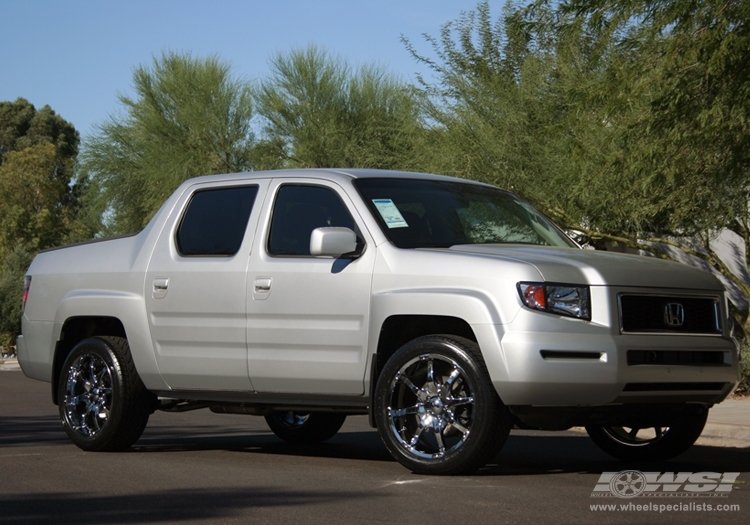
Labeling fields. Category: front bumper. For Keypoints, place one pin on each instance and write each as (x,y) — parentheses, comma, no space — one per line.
(574,363)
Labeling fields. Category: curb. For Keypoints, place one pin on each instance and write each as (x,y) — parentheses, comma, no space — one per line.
(725,435)
(10,364)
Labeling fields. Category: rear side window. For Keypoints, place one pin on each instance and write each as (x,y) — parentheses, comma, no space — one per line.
(215,221)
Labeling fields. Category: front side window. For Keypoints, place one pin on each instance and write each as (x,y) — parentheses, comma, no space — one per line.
(419,213)
(215,221)
(298,210)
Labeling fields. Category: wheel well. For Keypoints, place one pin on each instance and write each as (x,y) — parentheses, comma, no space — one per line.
(398,330)
(75,330)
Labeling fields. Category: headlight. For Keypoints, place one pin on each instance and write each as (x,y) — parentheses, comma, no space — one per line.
(562,299)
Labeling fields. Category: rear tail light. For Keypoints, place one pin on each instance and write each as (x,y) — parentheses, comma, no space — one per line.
(26,287)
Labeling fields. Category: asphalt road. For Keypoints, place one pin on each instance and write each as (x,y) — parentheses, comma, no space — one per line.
(200,467)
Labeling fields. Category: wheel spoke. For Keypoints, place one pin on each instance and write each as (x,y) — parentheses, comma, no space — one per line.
(452,378)
(101,376)
(440,443)
(458,426)
(415,438)
(457,401)
(405,380)
(431,371)
(633,433)
(91,371)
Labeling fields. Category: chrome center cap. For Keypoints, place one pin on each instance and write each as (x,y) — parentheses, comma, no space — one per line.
(436,404)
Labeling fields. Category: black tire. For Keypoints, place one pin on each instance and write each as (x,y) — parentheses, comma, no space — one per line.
(103,404)
(305,427)
(648,444)
(436,409)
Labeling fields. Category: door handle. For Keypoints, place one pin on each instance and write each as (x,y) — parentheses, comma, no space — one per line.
(261,288)
(262,284)
(159,290)
(161,285)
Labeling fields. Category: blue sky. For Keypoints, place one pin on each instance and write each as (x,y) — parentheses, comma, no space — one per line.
(78,55)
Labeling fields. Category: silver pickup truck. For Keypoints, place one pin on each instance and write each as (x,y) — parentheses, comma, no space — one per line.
(449,311)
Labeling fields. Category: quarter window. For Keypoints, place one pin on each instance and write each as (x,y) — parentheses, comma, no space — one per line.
(215,221)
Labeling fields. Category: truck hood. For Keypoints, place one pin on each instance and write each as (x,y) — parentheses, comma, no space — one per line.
(596,268)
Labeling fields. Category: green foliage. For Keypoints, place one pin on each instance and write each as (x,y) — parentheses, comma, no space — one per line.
(686,64)
(37,151)
(625,120)
(321,113)
(23,126)
(502,105)
(189,118)
(744,386)
(31,208)
(37,203)
(12,274)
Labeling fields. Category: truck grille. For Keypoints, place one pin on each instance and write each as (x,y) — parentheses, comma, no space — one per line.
(669,314)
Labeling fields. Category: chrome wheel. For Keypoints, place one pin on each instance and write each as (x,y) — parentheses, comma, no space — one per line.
(292,419)
(635,437)
(431,409)
(436,409)
(649,443)
(88,395)
(103,404)
(305,427)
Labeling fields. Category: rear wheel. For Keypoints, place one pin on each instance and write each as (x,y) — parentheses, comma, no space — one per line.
(103,404)
(648,444)
(436,408)
(305,427)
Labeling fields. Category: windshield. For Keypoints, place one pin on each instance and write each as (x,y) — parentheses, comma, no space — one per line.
(418,213)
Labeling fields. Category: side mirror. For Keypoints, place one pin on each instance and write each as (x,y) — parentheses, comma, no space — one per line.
(332,241)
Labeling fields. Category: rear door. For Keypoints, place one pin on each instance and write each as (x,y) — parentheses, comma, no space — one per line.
(196,284)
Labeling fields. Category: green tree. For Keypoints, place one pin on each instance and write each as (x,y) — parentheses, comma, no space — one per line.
(501,101)
(687,147)
(625,120)
(23,126)
(319,112)
(189,117)
(12,274)
(38,205)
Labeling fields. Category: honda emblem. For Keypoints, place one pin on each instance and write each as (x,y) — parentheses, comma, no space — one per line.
(674,314)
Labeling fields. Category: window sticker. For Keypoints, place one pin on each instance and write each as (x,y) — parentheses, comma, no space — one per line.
(390,213)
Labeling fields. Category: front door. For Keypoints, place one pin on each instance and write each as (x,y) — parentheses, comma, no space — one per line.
(307,316)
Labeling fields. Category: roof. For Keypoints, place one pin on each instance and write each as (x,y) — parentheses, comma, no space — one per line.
(330,174)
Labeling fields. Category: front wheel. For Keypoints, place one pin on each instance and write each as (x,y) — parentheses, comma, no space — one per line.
(437,411)
(103,404)
(305,427)
(648,444)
